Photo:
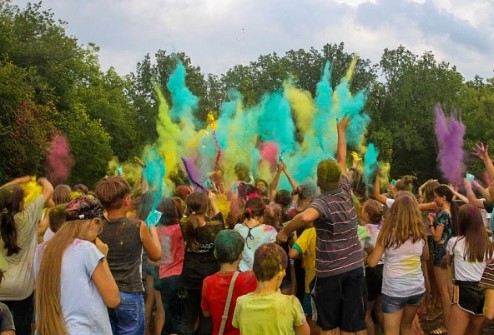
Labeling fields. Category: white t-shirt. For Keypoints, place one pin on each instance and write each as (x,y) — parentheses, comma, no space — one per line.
(402,274)
(82,306)
(464,270)
(260,234)
(18,283)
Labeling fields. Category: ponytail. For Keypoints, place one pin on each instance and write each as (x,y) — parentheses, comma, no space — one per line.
(197,204)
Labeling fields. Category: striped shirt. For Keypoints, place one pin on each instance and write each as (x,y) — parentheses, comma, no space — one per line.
(487,280)
(338,249)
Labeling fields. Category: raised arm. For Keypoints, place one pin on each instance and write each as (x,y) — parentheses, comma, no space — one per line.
(481,151)
(472,199)
(292,181)
(377,190)
(47,188)
(274,184)
(341,150)
(300,220)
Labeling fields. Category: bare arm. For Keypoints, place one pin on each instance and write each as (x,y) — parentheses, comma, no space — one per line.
(376,255)
(489,304)
(341,151)
(482,151)
(303,329)
(18,181)
(150,242)
(303,219)
(274,184)
(103,279)
(472,199)
(377,190)
(458,195)
(47,188)
(292,181)
(425,252)
(436,231)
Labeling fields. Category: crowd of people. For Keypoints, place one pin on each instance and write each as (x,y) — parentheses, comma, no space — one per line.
(334,256)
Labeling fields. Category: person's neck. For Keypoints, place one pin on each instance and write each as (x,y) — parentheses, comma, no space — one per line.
(116,213)
(229,267)
(268,287)
(446,207)
(252,222)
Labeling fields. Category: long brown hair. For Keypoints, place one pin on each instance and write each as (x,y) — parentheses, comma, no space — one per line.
(402,222)
(478,247)
(49,313)
(10,204)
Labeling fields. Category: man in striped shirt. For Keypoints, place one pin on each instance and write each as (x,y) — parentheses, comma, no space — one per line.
(339,255)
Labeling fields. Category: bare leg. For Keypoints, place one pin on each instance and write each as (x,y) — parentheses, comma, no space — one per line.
(149,303)
(442,284)
(392,322)
(409,313)
(475,324)
(159,319)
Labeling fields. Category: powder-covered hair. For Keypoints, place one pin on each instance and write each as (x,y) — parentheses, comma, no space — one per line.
(56,217)
(228,246)
(111,191)
(402,222)
(269,260)
(10,204)
(478,247)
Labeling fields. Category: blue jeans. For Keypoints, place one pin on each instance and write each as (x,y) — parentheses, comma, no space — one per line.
(128,317)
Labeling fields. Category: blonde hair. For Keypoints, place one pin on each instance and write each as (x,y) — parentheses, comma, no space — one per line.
(49,313)
(402,222)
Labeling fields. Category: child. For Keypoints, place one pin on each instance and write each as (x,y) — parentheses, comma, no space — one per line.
(167,279)
(469,251)
(266,310)
(403,242)
(74,282)
(215,288)
(125,238)
(305,247)
(199,233)
(370,215)
(254,231)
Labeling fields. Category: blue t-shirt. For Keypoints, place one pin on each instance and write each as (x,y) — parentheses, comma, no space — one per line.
(82,305)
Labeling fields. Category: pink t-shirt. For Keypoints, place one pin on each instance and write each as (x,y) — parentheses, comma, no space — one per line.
(172,250)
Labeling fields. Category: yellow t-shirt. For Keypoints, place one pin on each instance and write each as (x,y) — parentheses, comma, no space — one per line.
(306,247)
(268,314)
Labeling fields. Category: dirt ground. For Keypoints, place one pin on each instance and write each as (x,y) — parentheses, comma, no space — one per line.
(428,326)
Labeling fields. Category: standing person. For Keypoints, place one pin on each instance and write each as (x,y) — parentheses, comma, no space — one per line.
(267,310)
(199,232)
(442,226)
(228,247)
(469,252)
(254,231)
(168,278)
(125,238)
(74,282)
(17,246)
(339,295)
(403,242)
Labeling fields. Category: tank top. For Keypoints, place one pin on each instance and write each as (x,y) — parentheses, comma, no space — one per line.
(125,252)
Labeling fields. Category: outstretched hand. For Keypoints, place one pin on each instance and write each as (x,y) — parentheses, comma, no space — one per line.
(343,123)
(481,150)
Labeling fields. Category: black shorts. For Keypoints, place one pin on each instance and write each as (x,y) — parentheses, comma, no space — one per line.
(469,297)
(374,281)
(340,301)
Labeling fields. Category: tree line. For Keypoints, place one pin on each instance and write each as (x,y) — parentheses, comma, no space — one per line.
(49,84)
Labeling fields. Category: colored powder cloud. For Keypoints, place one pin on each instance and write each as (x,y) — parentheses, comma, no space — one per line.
(59,159)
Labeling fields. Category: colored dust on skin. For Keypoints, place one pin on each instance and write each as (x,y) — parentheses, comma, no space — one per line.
(59,159)
(450,134)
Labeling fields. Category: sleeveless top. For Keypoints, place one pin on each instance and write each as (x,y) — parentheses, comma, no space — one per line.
(125,252)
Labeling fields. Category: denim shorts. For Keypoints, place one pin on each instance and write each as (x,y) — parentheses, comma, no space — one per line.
(128,317)
(393,304)
(439,253)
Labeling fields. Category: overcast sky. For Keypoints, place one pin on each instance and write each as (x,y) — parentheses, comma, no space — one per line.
(218,34)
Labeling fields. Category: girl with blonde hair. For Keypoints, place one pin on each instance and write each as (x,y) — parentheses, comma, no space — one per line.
(74,284)
(403,242)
